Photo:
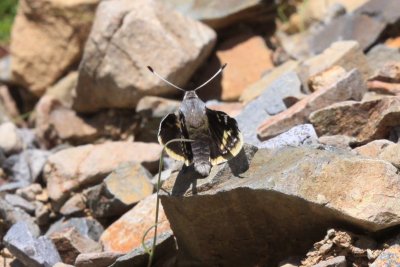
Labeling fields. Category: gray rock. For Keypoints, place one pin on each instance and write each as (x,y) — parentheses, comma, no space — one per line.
(19,202)
(174,45)
(281,205)
(76,204)
(28,138)
(389,257)
(25,167)
(85,226)
(299,135)
(338,141)
(165,253)
(30,192)
(380,54)
(339,261)
(97,259)
(11,215)
(33,252)
(384,10)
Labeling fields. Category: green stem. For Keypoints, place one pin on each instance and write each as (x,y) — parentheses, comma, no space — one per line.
(155,226)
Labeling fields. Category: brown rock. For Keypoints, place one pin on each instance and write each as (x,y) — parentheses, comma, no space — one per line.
(55,122)
(239,73)
(366,121)
(326,78)
(61,27)
(70,244)
(389,257)
(382,149)
(384,87)
(126,37)
(256,89)
(97,259)
(73,168)
(76,204)
(390,72)
(349,87)
(127,232)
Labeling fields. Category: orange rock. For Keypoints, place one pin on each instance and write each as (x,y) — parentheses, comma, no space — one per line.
(393,42)
(127,232)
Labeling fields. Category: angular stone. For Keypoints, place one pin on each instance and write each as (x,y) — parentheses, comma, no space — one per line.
(30,192)
(10,141)
(326,78)
(86,227)
(56,25)
(76,204)
(389,257)
(346,54)
(339,261)
(338,141)
(256,89)
(75,168)
(9,104)
(165,253)
(64,89)
(385,10)
(238,74)
(33,252)
(390,72)
(97,259)
(299,135)
(366,121)
(231,108)
(19,202)
(71,243)
(380,54)
(220,14)
(42,214)
(382,149)
(349,87)
(127,232)
(174,45)
(307,196)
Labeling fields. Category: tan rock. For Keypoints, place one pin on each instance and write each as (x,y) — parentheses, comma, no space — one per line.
(129,35)
(349,87)
(393,42)
(382,149)
(232,108)
(366,121)
(10,140)
(47,39)
(74,168)
(326,78)
(254,90)
(127,232)
(239,73)
(97,259)
(64,89)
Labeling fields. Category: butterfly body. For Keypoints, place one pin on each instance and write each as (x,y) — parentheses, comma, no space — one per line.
(216,137)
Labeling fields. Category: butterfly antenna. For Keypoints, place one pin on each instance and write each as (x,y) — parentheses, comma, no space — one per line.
(215,75)
(161,78)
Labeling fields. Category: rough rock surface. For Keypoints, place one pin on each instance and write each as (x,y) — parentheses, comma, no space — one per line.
(350,86)
(307,196)
(97,259)
(61,27)
(86,227)
(138,33)
(366,121)
(127,232)
(74,168)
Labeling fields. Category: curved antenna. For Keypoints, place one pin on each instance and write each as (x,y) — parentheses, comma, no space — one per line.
(161,78)
(215,75)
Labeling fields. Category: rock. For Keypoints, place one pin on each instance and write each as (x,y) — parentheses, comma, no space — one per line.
(60,264)
(256,89)
(19,202)
(5,69)
(231,108)
(71,243)
(353,26)
(339,261)
(299,135)
(338,141)
(172,44)
(220,14)
(391,42)
(76,204)
(238,74)
(349,87)
(64,89)
(273,99)
(9,104)
(384,87)
(382,149)
(326,78)
(165,253)
(389,257)
(42,214)
(366,121)
(380,54)
(38,25)
(307,196)
(24,168)
(10,215)
(97,259)
(127,232)
(35,252)
(317,9)
(78,167)
(10,141)
(346,54)
(386,10)
(390,72)
(86,227)
(30,192)
(51,126)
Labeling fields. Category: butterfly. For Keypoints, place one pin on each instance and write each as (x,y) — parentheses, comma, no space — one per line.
(215,136)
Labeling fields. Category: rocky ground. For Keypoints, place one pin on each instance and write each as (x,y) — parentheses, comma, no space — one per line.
(314,86)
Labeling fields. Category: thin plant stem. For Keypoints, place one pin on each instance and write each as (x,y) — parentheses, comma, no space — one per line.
(155,225)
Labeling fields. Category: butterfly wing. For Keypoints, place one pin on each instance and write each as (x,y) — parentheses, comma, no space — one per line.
(173,127)
(226,138)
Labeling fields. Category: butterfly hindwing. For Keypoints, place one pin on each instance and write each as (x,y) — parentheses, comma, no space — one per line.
(226,139)
(173,127)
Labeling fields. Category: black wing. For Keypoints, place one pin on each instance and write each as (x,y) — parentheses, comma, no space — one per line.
(226,139)
(173,128)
